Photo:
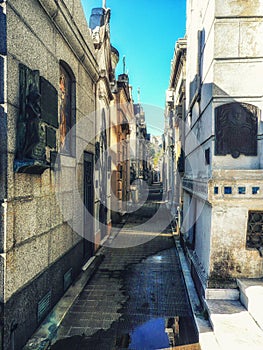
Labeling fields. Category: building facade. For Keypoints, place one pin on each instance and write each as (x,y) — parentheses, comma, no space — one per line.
(120,177)
(175,129)
(51,83)
(222,184)
(100,31)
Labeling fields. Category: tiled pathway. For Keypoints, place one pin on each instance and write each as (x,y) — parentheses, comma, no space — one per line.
(137,292)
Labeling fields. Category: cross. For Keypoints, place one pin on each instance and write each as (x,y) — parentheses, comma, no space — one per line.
(104,4)
(139,95)
(124,64)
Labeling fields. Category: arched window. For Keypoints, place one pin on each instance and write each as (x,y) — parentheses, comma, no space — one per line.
(67,110)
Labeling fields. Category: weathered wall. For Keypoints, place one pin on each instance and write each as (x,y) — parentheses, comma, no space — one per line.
(229,256)
(40,34)
(224,61)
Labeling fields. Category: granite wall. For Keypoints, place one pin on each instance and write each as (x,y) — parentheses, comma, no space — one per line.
(38,244)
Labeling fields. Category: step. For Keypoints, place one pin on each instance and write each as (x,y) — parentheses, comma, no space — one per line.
(233,326)
(251,296)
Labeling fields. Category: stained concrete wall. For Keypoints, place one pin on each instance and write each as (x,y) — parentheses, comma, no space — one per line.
(229,255)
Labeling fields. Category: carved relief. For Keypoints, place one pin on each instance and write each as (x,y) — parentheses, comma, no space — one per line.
(29,133)
(236,129)
(33,130)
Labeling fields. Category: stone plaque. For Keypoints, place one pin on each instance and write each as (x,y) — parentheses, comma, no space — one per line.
(236,126)
(51,139)
(49,103)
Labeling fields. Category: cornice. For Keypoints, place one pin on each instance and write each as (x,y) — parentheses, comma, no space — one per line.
(65,24)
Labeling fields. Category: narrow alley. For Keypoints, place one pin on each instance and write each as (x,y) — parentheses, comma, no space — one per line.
(137,298)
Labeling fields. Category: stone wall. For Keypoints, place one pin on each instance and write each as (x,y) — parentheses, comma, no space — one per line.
(36,236)
(224,59)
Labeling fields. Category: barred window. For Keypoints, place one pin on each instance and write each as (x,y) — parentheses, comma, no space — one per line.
(255,230)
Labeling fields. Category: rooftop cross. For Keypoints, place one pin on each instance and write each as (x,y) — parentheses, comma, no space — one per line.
(124,64)
(104,4)
(139,95)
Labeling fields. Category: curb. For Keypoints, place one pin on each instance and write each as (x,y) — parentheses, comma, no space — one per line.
(47,331)
(207,338)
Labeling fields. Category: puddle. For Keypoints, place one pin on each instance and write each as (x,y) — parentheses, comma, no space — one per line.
(159,333)
(155,334)
(150,335)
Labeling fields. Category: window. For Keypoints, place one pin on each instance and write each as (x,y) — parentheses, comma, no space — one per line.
(228,190)
(207,156)
(255,190)
(241,190)
(67,109)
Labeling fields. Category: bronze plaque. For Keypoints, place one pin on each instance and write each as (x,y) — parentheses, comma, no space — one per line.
(51,139)
(29,130)
(39,151)
(236,127)
(49,103)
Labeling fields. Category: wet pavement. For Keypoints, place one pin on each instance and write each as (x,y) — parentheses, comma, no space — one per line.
(137,298)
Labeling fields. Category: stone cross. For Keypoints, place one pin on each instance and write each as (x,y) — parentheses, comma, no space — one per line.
(104,4)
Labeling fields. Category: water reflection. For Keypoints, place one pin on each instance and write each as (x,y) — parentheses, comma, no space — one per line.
(150,335)
(159,333)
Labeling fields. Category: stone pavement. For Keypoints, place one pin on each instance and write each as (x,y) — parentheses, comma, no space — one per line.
(132,287)
(137,298)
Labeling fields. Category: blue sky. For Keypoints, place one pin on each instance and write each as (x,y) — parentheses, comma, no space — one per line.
(145,32)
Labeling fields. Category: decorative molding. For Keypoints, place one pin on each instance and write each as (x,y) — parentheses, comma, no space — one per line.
(196,187)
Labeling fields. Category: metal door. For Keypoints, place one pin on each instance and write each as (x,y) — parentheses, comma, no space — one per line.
(89,205)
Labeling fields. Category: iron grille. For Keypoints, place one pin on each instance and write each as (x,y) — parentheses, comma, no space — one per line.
(43,306)
(255,230)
